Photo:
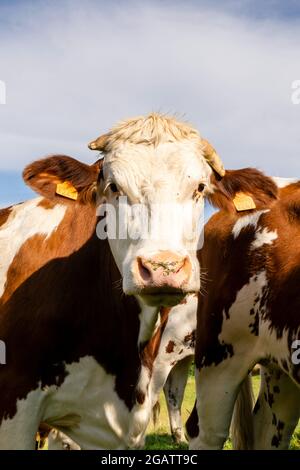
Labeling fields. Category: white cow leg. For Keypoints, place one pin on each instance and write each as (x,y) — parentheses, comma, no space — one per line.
(174,393)
(277,410)
(19,433)
(217,389)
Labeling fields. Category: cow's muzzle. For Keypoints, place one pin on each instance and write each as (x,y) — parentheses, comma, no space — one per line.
(163,277)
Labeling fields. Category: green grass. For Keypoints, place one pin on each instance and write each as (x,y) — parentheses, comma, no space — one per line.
(160,438)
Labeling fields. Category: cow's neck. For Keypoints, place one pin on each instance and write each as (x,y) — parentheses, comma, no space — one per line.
(149,323)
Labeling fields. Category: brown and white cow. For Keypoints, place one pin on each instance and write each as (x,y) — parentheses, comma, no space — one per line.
(251,311)
(170,366)
(78,350)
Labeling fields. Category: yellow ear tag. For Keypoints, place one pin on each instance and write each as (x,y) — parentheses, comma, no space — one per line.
(67,190)
(243,202)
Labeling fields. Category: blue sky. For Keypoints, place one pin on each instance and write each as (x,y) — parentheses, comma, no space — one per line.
(72,69)
(255,8)
(13,188)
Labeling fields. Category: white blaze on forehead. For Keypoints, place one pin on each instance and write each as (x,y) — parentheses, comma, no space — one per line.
(25,221)
(263,237)
(246,221)
(168,172)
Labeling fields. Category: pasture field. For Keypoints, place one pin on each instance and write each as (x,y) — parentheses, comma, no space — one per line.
(159,438)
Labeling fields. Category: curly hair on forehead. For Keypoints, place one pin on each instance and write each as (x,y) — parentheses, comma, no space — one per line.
(152,129)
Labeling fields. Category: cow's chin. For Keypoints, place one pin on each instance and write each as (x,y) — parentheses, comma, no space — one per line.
(160,298)
(156,300)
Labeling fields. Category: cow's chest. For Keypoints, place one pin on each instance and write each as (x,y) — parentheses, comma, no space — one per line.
(87,405)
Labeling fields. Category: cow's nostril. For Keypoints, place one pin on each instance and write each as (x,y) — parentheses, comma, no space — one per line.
(165,269)
(144,272)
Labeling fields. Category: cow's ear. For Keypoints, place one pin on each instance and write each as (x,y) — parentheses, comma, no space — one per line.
(243,190)
(60,176)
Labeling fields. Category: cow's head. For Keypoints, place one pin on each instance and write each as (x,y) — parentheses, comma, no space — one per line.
(153,178)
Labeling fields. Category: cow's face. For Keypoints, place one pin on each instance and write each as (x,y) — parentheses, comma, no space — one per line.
(154,206)
(153,179)
(156,172)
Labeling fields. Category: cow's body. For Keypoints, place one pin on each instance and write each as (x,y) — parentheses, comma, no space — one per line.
(80,373)
(250,314)
(58,365)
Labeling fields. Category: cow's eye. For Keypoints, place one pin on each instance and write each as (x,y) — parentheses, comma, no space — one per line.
(113,188)
(201,187)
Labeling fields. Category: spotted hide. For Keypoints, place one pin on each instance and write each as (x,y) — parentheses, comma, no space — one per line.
(250,314)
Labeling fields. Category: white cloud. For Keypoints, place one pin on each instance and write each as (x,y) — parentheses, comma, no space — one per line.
(74,68)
